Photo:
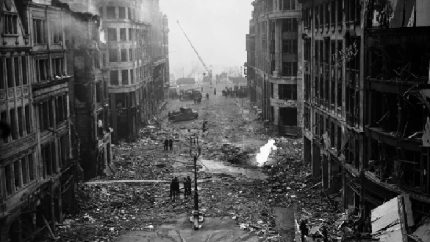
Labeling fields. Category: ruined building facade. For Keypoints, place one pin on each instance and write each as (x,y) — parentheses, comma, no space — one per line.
(364,107)
(136,56)
(274,63)
(63,103)
(36,163)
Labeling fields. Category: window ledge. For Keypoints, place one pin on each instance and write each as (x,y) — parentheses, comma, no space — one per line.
(10,35)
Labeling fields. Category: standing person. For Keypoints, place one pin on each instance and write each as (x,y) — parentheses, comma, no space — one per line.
(176,186)
(172,190)
(166,144)
(171,144)
(304,229)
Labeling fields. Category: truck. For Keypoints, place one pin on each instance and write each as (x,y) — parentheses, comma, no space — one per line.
(183,114)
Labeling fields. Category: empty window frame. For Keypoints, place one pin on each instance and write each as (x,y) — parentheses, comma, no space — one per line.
(2,74)
(46,118)
(288,4)
(121,11)
(289,68)
(56,31)
(9,73)
(28,119)
(48,159)
(20,121)
(39,31)
(112,35)
(289,46)
(124,77)
(64,150)
(110,12)
(287,91)
(10,23)
(17,67)
(123,55)
(3,118)
(113,55)
(24,70)
(42,69)
(123,34)
(58,66)
(61,108)
(130,54)
(132,76)
(8,176)
(114,80)
(13,124)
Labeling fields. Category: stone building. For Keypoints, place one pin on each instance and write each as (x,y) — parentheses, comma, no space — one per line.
(137,60)
(364,115)
(274,70)
(36,162)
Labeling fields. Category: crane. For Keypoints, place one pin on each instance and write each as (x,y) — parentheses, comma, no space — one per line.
(209,72)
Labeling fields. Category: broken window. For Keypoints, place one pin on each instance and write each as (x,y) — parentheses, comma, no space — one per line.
(64,150)
(17,175)
(31,166)
(288,116)
(121,12)
(10,24)
(110,12)
(42,70)
(2,73)
(99,91)
(9,184)
(132,76)
(13,126)
(327,13)
(123,34)
(114,78)
(24,170)
(123,54)
(112,36)
(58,66)
(61,108)
(46,119)
(27,119)
(9,71)
(24,69)
(113,55)
(16,68)
(124,77)
(287,91)
(39,31)
(56,31)
(3,118)
(332,12)
(339,12)
(20,122)
(288,4)
(48,154)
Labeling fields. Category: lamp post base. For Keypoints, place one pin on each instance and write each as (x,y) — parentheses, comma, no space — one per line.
(197,219)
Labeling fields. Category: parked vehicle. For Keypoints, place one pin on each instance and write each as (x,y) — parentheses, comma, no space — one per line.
(184,114)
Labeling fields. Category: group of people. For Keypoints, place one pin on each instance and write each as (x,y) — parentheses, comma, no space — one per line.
(168,144)
(175,190)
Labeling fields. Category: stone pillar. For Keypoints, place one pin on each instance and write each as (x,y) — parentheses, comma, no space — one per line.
(278,37)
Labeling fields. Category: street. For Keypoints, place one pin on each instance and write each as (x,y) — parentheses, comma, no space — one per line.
(240,200)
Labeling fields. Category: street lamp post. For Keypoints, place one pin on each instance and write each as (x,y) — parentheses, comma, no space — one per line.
(195,153)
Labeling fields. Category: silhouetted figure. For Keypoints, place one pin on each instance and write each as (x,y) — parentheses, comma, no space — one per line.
(174,189)
(171,144)
(304,229)
(166,144)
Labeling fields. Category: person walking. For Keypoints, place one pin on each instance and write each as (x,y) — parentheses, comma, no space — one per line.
(171,144)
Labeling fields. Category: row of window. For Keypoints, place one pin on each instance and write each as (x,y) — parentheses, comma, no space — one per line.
(112,34)
(44,66)
(19,173)
(13,71)
(55,106)
(113,12)
(121,55)
(19,120)
(127,77)
(40,32)
(331,13)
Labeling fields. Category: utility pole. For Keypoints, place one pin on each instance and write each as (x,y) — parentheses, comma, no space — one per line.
(195,151)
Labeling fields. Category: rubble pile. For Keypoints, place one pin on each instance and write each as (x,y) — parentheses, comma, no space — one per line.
(234,154)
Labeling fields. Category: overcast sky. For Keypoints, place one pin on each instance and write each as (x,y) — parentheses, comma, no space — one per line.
(217,29)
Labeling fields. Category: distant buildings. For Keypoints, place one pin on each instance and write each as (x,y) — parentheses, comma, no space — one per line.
(274,70)
(67,94)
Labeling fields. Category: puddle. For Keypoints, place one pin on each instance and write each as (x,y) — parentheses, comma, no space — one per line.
(262,157)
(219,167)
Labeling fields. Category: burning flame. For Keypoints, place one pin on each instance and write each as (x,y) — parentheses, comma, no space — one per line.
(265,151)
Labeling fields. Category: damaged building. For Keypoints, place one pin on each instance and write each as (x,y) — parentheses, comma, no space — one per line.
(136,57)
(365,100)
(62,102)
(273,65)
(36,162)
